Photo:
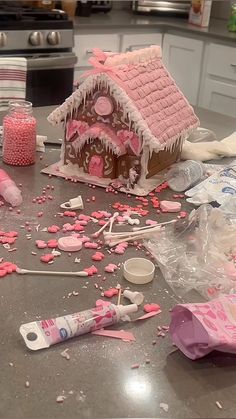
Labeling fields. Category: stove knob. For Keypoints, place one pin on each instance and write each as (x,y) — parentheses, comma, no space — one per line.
(36,38)
(3,39)
(54,38)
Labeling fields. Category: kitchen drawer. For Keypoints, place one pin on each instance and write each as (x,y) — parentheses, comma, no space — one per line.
(131,42)
(218,96)
(85,43)
(221,61)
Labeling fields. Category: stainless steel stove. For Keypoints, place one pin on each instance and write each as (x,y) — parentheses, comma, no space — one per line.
(46,39)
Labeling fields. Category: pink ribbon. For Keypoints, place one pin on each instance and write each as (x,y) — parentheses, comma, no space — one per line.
(97,61)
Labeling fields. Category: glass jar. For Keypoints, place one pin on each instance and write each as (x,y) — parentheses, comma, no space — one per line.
(19,134)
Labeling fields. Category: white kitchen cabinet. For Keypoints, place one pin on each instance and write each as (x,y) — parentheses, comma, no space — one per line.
(218,87)
(183,57)
(85,43)
(133,41)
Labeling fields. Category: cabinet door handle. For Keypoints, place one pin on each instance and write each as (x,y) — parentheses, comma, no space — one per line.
(233,65)
(90,51)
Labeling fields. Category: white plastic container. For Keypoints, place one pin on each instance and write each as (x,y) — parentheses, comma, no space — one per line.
(139,270)
(184,175)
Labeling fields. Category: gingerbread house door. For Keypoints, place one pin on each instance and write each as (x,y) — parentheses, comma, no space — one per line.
(96,166)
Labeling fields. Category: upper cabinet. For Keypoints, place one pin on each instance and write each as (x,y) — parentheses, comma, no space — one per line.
(218,86)
(183,57)
(133,41)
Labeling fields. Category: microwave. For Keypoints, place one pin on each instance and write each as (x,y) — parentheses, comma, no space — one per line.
(180,7)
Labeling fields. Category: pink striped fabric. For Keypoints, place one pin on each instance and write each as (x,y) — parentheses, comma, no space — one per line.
(13,71)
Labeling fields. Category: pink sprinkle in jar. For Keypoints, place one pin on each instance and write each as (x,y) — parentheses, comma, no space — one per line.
(19,134)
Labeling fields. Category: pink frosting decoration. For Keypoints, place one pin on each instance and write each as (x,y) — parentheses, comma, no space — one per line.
(97,131)
(96,166)
(103,106)
(131,139)
(74,127)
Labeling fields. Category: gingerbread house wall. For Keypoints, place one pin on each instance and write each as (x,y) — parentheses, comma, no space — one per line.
(116,121)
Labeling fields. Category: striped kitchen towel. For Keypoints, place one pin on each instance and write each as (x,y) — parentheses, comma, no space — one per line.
(13,72)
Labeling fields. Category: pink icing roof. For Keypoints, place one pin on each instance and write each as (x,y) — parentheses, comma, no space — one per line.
(158,99)
(162,111)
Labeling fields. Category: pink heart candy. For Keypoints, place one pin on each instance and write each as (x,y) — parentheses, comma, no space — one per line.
(78,227)
(52,243)
(84,217)
(151,307)
(47,258)
(102,222)
(68,227)
(85,239)
(92,270)
(97,215)
(119,250)
(111,268)
(111,292)
(98,256)
(69,213)
(11,234)
(90,245)
(82,222)
(41,244)
(53,229)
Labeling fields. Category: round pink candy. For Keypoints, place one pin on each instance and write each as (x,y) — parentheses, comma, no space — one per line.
(103,106)
(69,244)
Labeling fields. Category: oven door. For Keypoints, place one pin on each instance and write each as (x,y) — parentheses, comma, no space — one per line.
(50,78)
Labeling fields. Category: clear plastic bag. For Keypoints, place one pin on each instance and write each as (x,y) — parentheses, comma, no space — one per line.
(196,254)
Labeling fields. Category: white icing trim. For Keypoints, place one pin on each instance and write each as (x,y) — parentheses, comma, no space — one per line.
(140,126)
(135,57)
(103,137)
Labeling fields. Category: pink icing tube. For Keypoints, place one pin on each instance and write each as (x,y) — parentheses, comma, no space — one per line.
(45,333)
(9,190)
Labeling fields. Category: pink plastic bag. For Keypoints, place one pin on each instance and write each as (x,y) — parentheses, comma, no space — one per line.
(198,329)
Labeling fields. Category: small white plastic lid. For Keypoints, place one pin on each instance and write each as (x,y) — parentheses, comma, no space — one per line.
(134,296)
(139,270)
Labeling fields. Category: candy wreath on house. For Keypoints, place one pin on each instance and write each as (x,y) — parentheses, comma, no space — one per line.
(125,123)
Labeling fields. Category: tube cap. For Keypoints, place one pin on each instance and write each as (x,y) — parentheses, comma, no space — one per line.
(125,310)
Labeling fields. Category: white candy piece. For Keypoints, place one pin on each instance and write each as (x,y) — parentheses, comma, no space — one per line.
(134,297)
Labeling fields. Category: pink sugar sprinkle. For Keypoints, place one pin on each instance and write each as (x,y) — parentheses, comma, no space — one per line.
(135,366)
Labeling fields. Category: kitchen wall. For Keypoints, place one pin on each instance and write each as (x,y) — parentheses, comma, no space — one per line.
(221,9)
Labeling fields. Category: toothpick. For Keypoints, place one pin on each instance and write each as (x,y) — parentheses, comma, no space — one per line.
(112,219)
(119,294)
(27,271)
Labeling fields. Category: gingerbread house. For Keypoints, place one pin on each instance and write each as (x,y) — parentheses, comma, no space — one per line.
(126,121)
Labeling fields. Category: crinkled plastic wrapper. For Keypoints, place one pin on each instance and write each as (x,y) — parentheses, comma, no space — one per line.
(197,253)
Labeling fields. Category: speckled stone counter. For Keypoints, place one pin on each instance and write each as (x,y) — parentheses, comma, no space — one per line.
(98,380)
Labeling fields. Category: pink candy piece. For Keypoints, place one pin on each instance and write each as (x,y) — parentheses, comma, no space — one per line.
(111,292)
(183,214)
(102,222)
(170,206)
(47,258)
(11,234)
(98,256)
(7,240)
(69,244)
(84,217)
(82,222)
(111,268)
(53,229)
(78,227)
(119,250)
(97,215)
(7,268)
(120,219)
(52,243)
(148,308)
(85,239)
(92,270)
(69,213)
(68,227)
(41,244)
(90,245)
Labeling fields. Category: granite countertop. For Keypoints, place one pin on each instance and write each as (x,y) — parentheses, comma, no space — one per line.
(119,19)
